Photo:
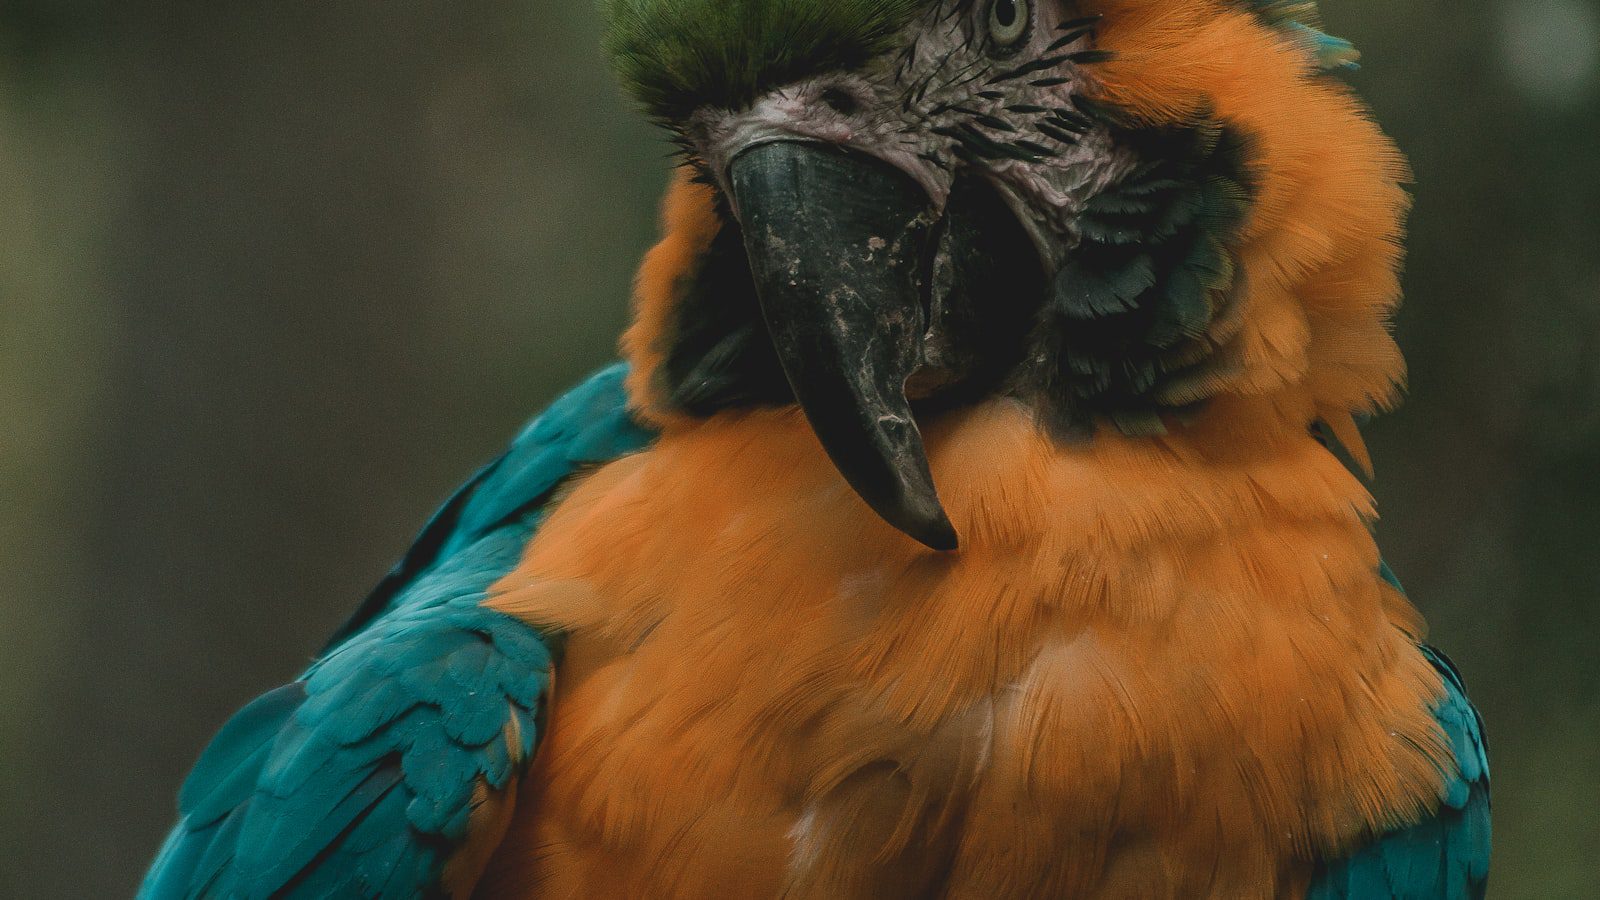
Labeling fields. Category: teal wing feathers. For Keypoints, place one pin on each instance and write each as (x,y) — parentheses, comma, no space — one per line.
(589,425)
(1445,857)
(361,778)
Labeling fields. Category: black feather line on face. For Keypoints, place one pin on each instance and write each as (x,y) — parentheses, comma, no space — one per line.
(1070,37)
(997,134)
(1056,133)
(1081,22)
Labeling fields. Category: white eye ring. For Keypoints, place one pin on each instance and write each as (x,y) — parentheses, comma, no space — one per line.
(1008,21)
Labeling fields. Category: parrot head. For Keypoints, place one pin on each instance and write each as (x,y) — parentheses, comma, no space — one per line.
(912,205)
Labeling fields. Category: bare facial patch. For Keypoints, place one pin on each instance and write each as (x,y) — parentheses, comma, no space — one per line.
(947,100)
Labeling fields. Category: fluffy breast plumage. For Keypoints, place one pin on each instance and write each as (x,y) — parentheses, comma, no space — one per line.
(1155,668)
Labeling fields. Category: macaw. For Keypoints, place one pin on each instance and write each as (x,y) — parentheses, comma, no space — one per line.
(977,511)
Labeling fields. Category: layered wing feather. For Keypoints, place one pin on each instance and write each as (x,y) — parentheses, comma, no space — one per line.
(381,769)
(1445,857)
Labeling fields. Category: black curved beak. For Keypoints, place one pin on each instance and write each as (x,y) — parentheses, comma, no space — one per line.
(839,246)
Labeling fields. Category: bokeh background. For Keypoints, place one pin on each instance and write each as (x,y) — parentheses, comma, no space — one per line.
(275,276)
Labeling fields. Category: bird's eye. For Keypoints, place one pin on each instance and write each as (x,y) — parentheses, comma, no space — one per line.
(1008,22)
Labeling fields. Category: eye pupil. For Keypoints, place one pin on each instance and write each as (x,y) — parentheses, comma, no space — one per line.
(1008,22)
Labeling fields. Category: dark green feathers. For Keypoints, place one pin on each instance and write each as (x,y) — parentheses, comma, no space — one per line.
(1141,305)
(678,55)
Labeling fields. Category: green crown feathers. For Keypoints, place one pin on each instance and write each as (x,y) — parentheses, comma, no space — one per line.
(677,55)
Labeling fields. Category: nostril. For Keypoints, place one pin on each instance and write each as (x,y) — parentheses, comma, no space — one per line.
(840,101)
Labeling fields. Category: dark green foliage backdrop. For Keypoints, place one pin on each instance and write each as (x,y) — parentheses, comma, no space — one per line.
(273,277)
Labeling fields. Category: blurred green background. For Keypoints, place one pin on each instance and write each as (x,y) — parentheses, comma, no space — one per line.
(275,276)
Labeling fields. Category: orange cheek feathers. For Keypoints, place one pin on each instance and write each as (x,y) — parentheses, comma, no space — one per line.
(1321,249)
(688,224)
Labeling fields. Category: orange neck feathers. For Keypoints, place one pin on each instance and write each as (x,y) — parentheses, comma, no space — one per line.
(1157,667)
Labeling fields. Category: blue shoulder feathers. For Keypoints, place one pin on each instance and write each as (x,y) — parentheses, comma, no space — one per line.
(360,779)
(587,426)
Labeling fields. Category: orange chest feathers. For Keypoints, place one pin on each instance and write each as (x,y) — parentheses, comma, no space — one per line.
(1154,669)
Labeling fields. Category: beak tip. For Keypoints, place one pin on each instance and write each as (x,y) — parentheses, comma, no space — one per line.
(937,534)
(846,325)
